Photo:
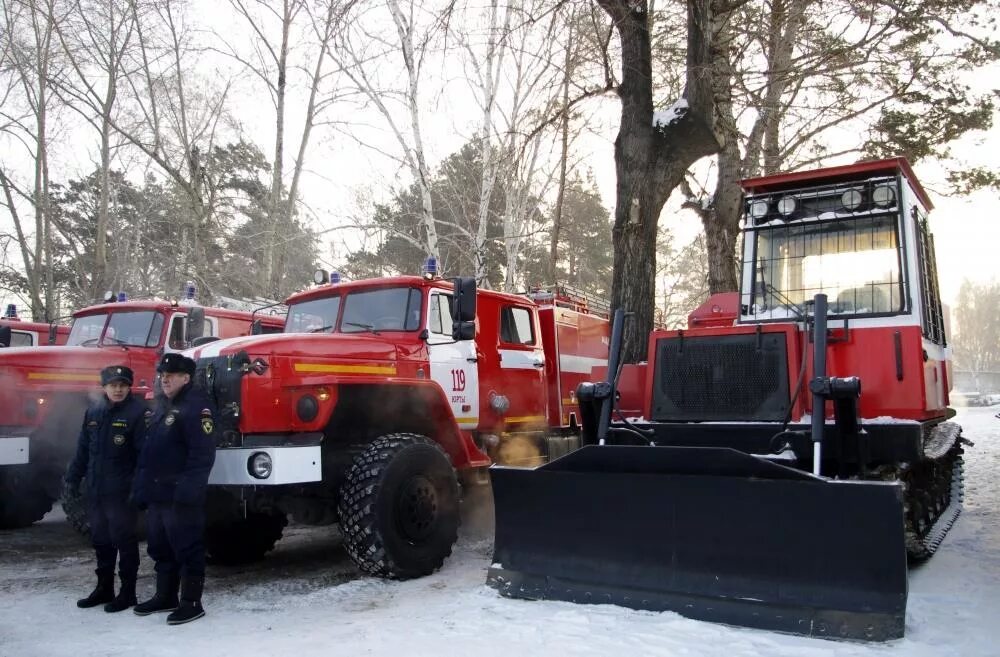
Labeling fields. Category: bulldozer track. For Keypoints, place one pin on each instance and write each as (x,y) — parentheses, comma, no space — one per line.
(934,489)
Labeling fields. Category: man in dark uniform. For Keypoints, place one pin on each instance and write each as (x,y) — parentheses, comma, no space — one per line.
(106,453)
(171,483)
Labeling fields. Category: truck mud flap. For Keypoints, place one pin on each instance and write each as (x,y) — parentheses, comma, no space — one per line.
(710,533)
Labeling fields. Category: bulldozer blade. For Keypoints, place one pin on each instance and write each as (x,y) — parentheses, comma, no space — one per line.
(710,533)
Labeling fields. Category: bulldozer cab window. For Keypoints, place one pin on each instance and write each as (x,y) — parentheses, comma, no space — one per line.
(854,261)
(516,326)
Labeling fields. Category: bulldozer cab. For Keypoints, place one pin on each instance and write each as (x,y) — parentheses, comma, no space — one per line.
(857,234)
(744,495)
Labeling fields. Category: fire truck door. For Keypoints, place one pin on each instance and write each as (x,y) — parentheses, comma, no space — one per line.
(453,363)
(522,368)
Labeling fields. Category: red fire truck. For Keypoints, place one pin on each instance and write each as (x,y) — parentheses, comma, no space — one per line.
(15,332)
(44,391)
(361,412)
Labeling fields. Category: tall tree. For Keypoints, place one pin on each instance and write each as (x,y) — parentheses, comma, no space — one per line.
(286,39)
(175,116)
(652,154)
(30,27)
(455,190)
(95,37)
(363,52)
(791,73)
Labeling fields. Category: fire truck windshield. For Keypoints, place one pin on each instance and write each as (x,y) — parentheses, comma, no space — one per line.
(133,329)
(386,309)
(382,309)
(855,261)
(315,316)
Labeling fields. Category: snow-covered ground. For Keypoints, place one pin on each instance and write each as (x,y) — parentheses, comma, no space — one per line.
(308,599)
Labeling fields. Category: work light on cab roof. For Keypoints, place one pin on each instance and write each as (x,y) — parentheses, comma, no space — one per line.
(322,277)
(11,311)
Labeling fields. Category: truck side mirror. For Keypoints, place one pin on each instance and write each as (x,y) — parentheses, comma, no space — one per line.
(464,299)
(194,326)
(463,330)
(256,327)
(52,333)
(5,336)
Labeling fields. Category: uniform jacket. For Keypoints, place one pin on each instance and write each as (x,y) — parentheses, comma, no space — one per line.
(108,447)
(179,450)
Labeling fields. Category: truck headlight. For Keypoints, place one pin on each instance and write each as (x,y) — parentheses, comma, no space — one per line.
(259,465)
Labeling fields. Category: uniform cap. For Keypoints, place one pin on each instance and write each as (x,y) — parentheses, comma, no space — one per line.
(176,363)
(116,373)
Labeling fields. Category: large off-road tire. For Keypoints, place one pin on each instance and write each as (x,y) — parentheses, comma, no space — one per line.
(399,507)
(237,540)
(23,498)
(77,509)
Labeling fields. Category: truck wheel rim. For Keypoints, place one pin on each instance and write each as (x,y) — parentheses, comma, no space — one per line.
(417,508)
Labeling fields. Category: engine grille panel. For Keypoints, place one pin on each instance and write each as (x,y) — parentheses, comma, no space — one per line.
(739,378)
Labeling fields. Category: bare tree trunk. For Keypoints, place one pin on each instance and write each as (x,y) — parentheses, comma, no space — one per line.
(31,271)
(721,219)
(418,162)
(563,159)
(272,273)
(489,78)
(652,160)
(43,43)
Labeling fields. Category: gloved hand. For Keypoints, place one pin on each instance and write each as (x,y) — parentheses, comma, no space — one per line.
(135,502)
(70,489)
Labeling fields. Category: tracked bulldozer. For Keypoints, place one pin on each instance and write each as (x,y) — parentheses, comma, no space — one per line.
(780,462)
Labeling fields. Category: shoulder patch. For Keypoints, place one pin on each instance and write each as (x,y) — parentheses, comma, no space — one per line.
(207,425)
(206,411)
(92,424)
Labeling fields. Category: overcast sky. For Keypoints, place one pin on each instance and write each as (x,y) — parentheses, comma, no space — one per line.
(967,230)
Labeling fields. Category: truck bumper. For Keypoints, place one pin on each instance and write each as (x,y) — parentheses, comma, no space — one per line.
(288,465)
(14,450)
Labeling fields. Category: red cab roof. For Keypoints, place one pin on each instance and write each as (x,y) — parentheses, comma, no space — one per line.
(845,173)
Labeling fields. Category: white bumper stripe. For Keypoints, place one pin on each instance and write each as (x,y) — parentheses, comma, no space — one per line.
(289,465)
(14,451)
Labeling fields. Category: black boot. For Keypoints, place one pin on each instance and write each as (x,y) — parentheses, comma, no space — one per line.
(103,592)
(165,598)
(125,597)
(190,608)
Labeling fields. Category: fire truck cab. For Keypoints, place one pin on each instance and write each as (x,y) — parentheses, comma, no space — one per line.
(15,332)
(375,394)
(44,391)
